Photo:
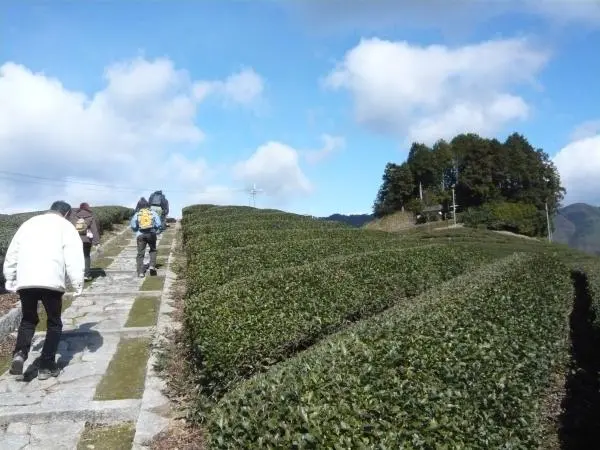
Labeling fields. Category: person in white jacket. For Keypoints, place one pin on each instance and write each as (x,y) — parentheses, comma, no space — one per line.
(43,253)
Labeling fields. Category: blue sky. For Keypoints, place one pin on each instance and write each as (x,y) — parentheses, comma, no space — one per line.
(291,48)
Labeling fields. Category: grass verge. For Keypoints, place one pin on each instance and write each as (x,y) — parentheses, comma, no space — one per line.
(151,283)
(107,437)
(126,372)
(144,312)
(113,251)
(7,344)
(42,325)
(102,262)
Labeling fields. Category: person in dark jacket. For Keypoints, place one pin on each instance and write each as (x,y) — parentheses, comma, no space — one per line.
(87,226)
(160,205)
(140,202)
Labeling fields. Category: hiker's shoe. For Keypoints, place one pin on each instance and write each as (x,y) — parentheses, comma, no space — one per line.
(16,368)
(141,275)
(48,370)
(88,278)
(152,270)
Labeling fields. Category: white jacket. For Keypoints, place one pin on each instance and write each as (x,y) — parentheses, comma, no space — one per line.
(44,251)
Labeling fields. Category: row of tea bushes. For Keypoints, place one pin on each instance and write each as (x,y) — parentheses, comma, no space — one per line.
(464,365)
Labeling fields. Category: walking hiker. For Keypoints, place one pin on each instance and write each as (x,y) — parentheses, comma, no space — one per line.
(147,224)
(43,253)
(140,201)
(87,226)
(160,204)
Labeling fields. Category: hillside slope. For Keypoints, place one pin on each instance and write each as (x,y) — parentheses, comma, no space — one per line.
(313,329)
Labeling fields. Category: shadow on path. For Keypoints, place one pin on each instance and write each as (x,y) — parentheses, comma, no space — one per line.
(97,272)
(579,422)
(78,340)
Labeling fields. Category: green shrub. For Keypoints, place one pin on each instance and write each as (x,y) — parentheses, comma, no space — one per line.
(260,222)
(107,216)
(521,218)
(210,269)
(466,365)
(251,323)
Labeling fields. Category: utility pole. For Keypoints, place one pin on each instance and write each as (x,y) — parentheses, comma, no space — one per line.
(453,206)
(420,190)
(548,223)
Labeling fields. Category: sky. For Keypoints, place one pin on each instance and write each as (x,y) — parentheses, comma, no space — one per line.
(105,102)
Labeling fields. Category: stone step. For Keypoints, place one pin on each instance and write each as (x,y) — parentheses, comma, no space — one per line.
(123,293)
(129,332)
(96,412)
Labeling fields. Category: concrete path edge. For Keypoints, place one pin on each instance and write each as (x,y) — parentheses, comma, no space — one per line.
(149,422)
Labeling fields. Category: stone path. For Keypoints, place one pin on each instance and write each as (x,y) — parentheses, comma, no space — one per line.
(51,414)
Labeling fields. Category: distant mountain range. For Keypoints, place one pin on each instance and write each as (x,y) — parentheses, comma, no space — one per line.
(356,220)
(577,225)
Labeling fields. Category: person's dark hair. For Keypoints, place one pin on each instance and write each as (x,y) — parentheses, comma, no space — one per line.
(61,207)
(142,203)
(85,206)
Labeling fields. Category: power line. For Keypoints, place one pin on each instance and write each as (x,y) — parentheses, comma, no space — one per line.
(35,179)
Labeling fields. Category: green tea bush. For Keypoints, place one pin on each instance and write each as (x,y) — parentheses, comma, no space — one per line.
(466,365)
(249,324)
(210,269)
(107,216)
(261,222)
(199,243)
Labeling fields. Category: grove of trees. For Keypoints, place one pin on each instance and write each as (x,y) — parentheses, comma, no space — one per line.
(498,185)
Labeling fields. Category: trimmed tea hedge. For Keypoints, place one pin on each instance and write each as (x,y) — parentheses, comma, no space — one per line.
(261,222)
(251,323)
(198,243)
(466,365)
(210,269)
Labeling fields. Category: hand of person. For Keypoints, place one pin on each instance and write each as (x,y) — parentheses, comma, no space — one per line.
(10,286)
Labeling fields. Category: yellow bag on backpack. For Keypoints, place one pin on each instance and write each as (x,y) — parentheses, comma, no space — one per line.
(145,221)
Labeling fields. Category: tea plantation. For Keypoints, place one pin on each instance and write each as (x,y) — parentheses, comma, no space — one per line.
(106,216)
(306,333)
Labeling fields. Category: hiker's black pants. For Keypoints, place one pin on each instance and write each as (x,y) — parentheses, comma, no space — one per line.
(52,301)
(87,248)
(142,240)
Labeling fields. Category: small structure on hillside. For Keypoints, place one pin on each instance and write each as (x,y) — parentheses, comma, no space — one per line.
(430,214)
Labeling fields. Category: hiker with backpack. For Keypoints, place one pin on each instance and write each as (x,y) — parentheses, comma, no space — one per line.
(160,204)
(86,225)
(147,225)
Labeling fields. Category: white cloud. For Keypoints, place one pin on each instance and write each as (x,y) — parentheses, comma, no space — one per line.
(275,168)
(138,131)
(427,93)
(579,166)
(331,144)
(586,129)
(244,88)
